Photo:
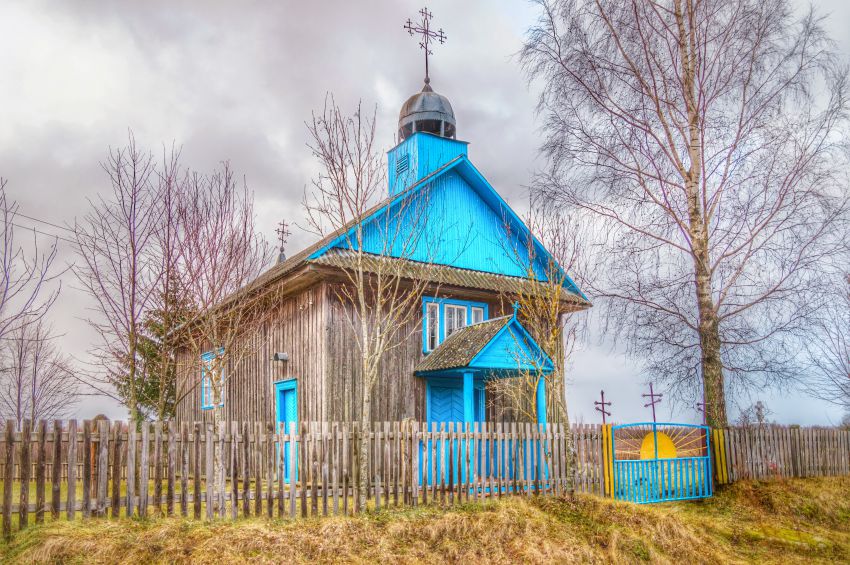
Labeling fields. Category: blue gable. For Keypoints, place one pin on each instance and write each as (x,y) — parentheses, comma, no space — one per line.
(464,222)
(512,349)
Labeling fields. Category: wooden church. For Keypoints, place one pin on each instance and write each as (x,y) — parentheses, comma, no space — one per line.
(465,335)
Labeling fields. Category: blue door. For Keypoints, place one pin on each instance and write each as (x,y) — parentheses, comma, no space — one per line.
(287,413)
(445,404)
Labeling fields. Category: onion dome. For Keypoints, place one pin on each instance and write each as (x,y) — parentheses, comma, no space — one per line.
(426,111)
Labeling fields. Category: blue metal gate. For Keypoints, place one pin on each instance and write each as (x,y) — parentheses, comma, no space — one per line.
(658,462)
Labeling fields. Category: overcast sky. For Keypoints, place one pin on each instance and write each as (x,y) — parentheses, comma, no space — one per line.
(236,81)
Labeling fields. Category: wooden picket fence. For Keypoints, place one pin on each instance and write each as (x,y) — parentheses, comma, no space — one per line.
(70,469)
(99,469)
(772,452)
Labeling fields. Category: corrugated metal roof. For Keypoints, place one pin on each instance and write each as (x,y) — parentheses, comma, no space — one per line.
(462,346)
(442,274)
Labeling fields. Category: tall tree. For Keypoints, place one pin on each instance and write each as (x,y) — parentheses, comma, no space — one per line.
(36,379)
(24,276)
(382,296)
(705,136)
(116,268)
(221,253)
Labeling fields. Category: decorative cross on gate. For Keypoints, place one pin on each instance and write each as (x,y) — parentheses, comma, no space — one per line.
(428,35)
(601,404)
(654,398)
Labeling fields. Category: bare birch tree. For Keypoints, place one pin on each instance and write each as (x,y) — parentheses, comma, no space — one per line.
(116,268)
(221,253)
(829,349)
(36,379)
(384,295)
(24,276)
(705,137)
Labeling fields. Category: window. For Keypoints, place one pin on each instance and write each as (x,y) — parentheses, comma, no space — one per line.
(432,326)
(441,317)
(477,315)
(455,318)
(206,380)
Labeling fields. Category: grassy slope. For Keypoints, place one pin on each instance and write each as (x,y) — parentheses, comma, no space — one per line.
(794,521)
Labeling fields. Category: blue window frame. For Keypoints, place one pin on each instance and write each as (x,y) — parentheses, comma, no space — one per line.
(443,316)
(206,382)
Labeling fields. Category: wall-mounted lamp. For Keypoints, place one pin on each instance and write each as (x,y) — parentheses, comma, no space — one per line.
(280,356)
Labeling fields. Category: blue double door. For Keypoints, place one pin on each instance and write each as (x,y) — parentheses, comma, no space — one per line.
(447,404)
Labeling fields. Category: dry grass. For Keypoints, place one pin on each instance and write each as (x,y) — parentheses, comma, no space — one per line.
(792,521)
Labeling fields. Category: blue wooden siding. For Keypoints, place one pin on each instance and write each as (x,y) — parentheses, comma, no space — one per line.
(512,349)
(418,156)
(454,218)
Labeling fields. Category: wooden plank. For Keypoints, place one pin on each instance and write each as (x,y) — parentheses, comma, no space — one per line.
(270,465)
(131,468)
(346,468)
(171,473)
(8,478)
(314,470)
(87,467)
(144,470)
(157,468)
(71,495)
(303,457)
(246,469)
(209,470)
(56,471)
(234,470)
(221,487)
(116,468)
(40,467)
(258,470)
(184,468)
(25,474)
(335,466)
(324,466)
(196,470)
(102,467)
(293,459)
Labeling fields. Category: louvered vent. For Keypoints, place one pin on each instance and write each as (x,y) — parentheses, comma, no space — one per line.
(402,164)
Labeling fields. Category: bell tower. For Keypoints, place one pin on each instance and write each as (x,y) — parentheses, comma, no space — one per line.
(426,123)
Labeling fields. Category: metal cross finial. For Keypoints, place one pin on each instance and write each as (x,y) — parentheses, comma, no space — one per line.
(601,404)
(654,398)
(428,35)
(283,234)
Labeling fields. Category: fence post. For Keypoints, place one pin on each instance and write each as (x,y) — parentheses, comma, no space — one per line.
(8,479)
(23,506)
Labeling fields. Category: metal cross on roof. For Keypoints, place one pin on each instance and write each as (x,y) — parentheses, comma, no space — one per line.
(428,35)
(600,406)
(283,233)
(654,398)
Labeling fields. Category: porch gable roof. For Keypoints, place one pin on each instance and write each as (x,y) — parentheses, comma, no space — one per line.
(497,345)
